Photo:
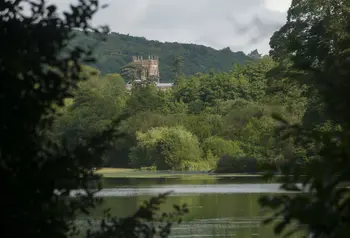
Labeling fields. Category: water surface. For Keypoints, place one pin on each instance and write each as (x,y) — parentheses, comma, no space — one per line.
(221,207)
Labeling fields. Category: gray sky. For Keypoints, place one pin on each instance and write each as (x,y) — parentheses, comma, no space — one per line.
(239,24)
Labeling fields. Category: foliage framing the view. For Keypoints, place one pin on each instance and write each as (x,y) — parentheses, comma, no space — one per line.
(313,48)
(37,77)
(221,120)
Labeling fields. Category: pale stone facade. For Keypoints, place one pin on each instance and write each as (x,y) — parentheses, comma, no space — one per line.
(150,66)
(150,69)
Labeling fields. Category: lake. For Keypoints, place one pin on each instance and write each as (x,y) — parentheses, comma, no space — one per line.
(219,207)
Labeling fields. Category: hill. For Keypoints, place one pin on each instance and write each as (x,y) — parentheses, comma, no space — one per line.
(118,50)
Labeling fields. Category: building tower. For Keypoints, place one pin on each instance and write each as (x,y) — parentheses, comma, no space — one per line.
(150,67)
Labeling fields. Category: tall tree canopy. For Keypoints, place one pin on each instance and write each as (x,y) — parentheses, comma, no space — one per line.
(314,47)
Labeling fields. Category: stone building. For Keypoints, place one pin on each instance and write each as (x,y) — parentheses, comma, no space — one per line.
(150,67)
(149,70)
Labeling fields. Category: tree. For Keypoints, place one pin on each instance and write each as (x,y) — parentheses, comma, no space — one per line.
(218,147)
(37,75)
(96,102)
(167,148)
(178,64)
(143,97)
(315,40)
(254,54)
(132,71)
(187,89)
(255,73)
(308,41)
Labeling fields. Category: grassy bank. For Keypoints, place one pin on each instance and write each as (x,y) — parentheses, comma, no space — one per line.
(134,173)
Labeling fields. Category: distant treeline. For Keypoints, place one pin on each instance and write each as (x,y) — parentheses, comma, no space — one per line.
(118,49)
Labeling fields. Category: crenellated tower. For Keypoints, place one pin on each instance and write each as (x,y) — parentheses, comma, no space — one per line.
(150,66)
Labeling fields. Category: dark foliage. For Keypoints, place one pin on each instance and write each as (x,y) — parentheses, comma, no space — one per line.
(315,41)
(38,174)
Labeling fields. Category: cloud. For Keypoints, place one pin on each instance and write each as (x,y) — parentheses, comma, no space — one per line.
(240,25)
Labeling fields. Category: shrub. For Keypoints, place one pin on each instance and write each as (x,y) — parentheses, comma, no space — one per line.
(217,147)
(166,148)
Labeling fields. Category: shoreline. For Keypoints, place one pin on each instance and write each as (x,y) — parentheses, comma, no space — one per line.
(135,173)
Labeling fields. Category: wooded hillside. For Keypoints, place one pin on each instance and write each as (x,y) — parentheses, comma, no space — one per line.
(118,50)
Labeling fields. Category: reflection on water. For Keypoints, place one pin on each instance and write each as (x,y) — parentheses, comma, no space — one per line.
(180,190)
(146,182)
(219,208)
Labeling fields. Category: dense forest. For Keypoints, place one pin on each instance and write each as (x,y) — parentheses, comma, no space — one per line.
(117,51)
(207,121)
